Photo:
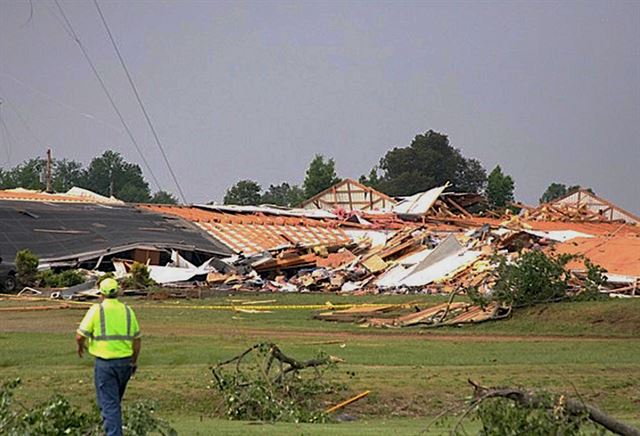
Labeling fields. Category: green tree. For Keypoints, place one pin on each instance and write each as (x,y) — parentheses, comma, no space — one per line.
(163,197)
(244,193)
(110,175)
(283,195)
(25,175)
(66,174)
(372,180)
(320,176)
(472,176)
(553,191)
(499,188)
(558,190)
(29,175)
(427,162)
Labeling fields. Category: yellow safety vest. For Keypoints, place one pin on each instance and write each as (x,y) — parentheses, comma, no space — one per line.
(110,328)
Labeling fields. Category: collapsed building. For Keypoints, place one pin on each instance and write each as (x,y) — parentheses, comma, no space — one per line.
(83,231)
(348,239)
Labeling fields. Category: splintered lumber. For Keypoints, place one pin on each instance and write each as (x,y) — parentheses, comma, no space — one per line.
(375,264)
(418,317)
(355,313)
(288,261)
(347,402)
(475,314)
(445,314)
(397,243)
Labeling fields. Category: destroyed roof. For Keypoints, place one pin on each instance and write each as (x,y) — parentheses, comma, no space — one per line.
(420,203)
(68,232)
(250,234)
(592,207)
(617,254)
(73,195)
(349,195)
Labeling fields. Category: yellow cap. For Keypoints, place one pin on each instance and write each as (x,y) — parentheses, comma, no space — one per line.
(108,286)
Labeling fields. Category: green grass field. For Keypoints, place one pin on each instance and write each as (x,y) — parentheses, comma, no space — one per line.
(592,348)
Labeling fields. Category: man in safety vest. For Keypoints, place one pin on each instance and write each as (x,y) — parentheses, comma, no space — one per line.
(110,329)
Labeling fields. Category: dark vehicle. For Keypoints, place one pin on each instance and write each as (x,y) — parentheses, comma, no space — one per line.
(8,280)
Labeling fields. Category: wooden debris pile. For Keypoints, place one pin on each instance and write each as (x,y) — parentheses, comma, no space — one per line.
(446,314)
(564,212)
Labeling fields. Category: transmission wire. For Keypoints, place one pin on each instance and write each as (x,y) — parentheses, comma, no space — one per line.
(139,99)
(72,33)
(20,117)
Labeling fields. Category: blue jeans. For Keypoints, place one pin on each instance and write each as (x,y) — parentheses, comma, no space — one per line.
(111,377)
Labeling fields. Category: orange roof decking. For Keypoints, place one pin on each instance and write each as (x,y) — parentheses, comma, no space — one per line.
(617,254)
(589,228)
(255,233)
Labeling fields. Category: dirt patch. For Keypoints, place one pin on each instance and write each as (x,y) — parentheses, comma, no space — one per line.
(425,336)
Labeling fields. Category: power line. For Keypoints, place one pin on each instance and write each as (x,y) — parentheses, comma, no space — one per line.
(20,117)
(142,107)
(61,103)
(72,33)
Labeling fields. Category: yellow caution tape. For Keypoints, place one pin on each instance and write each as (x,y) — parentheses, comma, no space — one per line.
(233,307)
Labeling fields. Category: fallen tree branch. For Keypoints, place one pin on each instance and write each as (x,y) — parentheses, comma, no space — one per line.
(531,400)
(264,383)
(296,365)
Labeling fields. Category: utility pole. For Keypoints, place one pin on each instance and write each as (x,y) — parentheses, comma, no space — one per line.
(111,180)
(49,190)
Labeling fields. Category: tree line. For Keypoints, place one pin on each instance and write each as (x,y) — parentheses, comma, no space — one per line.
(428,161)
(108,174)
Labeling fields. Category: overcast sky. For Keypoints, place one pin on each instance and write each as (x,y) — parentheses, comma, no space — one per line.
(548,90)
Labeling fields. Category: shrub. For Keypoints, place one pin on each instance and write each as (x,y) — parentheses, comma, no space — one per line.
(594,281)
(64,279)
(533,278)
(26,267)
(57,416)
(138,277)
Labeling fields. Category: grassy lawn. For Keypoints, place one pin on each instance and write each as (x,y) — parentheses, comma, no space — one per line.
(365,427)
(591,347)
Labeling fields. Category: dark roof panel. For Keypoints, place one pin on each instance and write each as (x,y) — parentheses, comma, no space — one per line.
(57,231)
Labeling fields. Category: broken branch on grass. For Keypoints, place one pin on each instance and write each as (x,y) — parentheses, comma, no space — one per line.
(275,353)
(296,365)
(266,384)
(530,399)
